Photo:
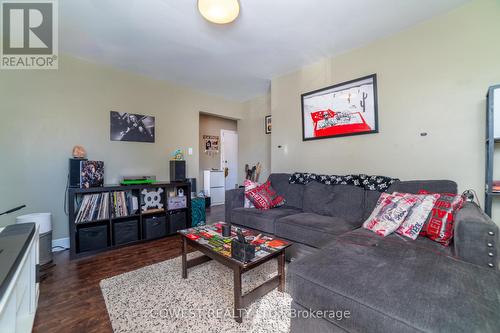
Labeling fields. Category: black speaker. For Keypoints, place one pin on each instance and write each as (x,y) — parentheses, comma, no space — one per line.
(75,172)
(177,171)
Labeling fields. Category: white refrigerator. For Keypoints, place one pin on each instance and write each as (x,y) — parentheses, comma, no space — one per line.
(213,185)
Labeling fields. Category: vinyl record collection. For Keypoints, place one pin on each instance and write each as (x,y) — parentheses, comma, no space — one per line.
(124,204)
(93,207)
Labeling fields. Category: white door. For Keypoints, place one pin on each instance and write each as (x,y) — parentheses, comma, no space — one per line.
(229,157)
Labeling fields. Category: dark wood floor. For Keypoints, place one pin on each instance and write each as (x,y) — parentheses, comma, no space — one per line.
(70,296)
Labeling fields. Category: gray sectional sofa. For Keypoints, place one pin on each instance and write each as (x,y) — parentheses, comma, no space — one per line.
(390,284)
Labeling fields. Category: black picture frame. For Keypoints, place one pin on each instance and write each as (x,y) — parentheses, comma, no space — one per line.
(131,127)
(268,124)
(337,88)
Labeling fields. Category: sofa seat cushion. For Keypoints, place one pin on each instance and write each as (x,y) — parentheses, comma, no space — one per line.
(311,229)
(262,220)
(394,242)
(389,287)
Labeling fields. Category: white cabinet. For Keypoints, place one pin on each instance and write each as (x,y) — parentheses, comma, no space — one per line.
(19,301)
(213,185)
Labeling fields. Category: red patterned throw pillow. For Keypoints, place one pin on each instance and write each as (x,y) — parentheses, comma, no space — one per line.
(264,196)
(390,212)
(439,224)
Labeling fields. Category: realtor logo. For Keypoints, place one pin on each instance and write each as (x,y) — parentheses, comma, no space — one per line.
(29,34)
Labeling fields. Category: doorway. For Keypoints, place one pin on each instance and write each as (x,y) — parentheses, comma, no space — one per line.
(229,157)
(212,147)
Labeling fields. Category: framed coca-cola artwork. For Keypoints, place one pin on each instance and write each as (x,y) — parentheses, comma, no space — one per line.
(347,108)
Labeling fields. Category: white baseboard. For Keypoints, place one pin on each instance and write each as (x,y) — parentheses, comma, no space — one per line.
(61,243)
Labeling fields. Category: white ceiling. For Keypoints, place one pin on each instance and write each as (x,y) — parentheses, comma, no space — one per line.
(169,40)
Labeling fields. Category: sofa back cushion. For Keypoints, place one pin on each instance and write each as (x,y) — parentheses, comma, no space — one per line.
(414,186)
(371,199)
(293,193)
(344,201)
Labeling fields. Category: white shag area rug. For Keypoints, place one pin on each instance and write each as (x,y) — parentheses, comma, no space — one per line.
(156,299)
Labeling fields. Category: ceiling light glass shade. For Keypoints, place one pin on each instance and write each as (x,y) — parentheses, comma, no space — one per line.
(219,11)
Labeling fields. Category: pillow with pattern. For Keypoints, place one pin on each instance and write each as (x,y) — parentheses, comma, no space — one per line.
(439,224)
(390,212)
(417,216)
(249,185)
(265,197)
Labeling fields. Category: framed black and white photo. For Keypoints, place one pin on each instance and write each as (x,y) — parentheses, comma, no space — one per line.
(347,108)
(211,143)
(268,124)
(132,127)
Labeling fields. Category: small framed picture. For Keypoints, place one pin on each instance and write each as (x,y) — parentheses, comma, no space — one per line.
(268,124)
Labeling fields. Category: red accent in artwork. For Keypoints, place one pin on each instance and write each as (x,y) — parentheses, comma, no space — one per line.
(337,129)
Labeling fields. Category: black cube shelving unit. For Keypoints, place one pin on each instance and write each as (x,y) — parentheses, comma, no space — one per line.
(117,231)
(492,138)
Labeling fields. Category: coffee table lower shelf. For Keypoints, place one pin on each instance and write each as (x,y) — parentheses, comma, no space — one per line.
(240,301)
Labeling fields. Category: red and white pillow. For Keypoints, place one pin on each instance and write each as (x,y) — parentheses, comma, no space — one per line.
(439,224)
(418,214)
(249,185)
(264,196)
(389,214)
(427,214)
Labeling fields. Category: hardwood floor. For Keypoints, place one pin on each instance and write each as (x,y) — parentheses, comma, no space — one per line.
(70,297)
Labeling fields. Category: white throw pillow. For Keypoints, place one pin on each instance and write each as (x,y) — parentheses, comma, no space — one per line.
(416,218)
(389,214)
(249,185)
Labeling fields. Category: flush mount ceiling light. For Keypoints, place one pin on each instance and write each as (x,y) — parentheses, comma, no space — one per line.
(219,11)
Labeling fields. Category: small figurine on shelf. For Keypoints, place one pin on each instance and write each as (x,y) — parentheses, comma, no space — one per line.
(79,152)
(177,155)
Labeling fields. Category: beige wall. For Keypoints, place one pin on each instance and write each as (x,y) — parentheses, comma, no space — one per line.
(431,78)
(45,113)
(254,144)
(211,125)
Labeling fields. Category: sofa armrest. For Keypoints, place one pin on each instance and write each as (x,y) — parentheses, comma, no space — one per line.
(234,198)
(476,237)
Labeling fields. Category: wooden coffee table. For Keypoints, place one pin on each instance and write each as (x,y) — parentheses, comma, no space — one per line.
(209,241)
